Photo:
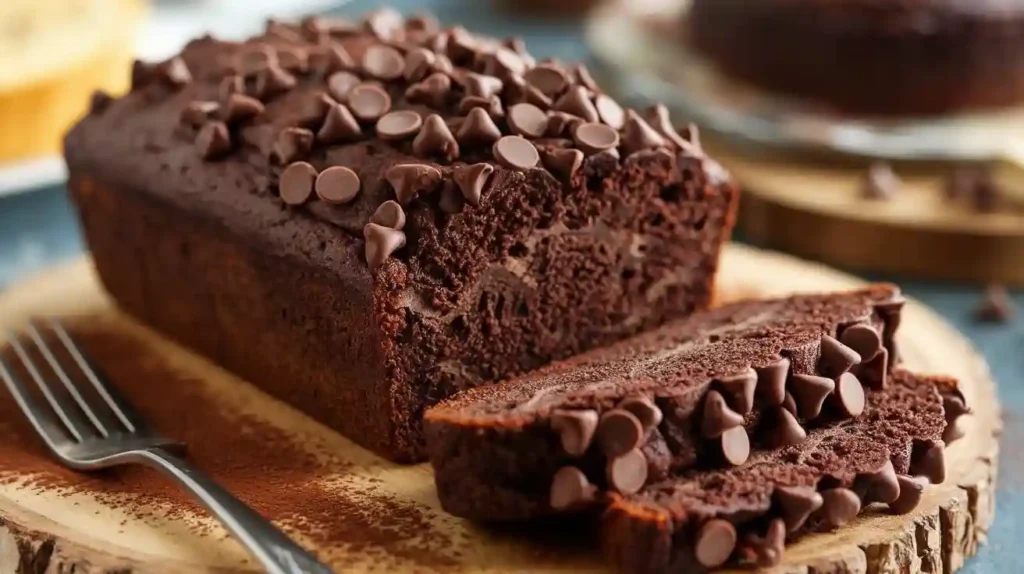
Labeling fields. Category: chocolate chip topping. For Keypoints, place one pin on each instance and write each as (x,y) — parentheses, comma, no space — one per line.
(256,58)
(863,339)
(627,473)
(735,446)
(610,112)
(576,429)
(561,124)
(576,101)
(771,381)
(504,62)
(773,547)
(478,129)
(482,85)
(339,126)
(658,116)
(797,504)
(787,431)
(213,140)
(293,59)
(411,179)
(739,389)
(332,58)
(929,460)
(789,403)
(840,505)
(198,113)
(718,417)
(810,392)
(337,184)
(142,74)
(715,543)
(471,180)
(99,101)
(881,182)
(570,488)
(850,393)
(490,105)
(394,126)
(381,243)
(527,120)
(295,186)
(584,78)
(563,163)
(515,152)
(419,62)
(836,358)
(383,62)
(644,410)
(339,84)
(547,78)
(433,91)
(619,432)
(384,23)
(240,107)
(368,102)
(435,140)
(451,201)
(592,137)
(389,214)
(911,492)
(233,84)
(174,72)
(881,485)
(291,144)
(273,81)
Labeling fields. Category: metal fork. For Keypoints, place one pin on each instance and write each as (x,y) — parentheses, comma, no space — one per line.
(85,434)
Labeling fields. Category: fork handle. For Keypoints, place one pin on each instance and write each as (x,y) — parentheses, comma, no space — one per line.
(277,553)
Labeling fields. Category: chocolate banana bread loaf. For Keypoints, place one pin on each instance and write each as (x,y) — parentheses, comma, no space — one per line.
(363,218)
(694,394)
(870,57)
(704,519)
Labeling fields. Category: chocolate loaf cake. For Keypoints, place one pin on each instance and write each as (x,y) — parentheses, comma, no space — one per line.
(363,218)
(870,57)
(745,515)
(694,394)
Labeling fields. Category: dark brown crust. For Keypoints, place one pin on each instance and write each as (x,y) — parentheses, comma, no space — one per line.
(867,57)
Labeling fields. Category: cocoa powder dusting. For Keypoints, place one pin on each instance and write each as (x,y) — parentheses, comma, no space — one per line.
(259,463)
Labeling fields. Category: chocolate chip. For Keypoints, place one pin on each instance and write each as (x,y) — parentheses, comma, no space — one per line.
(335,58)
(490,105)
(840,505)
(881,485)
(142,74)
(627,473)
(995,305)
(658,117)
(339,84)
(213,140)
(611,112)
(576,101)
(240,107)
(482,85)
(644,410)
(797,504)
(527,120)
(339,126)
(575,428)
(389,214)
(911,493)
(435,140)
(638,135)
(174,72)
(850,393)
(383,23)
(462,45)
(504,62)
(863,339)
(786,431)
(570,489)
(715,543)
(433,91)
(549,79)
(395,126)
(771,381)
(515,152)
(197,113)
(295,185)
(618,432)
(810,392)
(836,358)
(383,62)
(478,129)
(368,102)
(274,80)
(418,64)
(789,403)
(233,84)
(451,201)
(293,59)
(592,138)
(738,389)
(718,417)
(99,101)
(422,22)
(562,124)
(774,545)
(954,409)
(291,144)
(563,163)
(471,180)
(929,460)
(337,185)
(881,182)
(411,179)
(734,445)
(381,243)
(584,77)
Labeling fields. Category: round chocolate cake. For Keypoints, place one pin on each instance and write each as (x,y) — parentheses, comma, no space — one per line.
(870,57)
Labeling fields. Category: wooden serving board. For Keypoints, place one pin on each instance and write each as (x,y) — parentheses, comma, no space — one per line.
(385,517)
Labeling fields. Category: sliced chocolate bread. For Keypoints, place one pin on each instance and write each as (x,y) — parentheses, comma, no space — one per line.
(695,394)
(705,519)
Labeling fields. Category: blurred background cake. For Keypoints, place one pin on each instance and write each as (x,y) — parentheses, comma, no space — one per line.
(870,57)
(53,55)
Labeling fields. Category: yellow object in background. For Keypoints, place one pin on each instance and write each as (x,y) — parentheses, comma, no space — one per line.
(53,54)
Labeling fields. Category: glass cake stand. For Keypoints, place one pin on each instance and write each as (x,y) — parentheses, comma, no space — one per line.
(641,55)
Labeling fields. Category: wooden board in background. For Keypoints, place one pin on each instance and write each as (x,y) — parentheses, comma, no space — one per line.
(45,531)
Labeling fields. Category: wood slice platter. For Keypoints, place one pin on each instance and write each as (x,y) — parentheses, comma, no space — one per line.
(361,513)
(818,211)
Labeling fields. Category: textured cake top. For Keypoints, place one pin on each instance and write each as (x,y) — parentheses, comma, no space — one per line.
(354,121)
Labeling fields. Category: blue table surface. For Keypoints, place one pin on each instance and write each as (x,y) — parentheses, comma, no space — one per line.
(39,229)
